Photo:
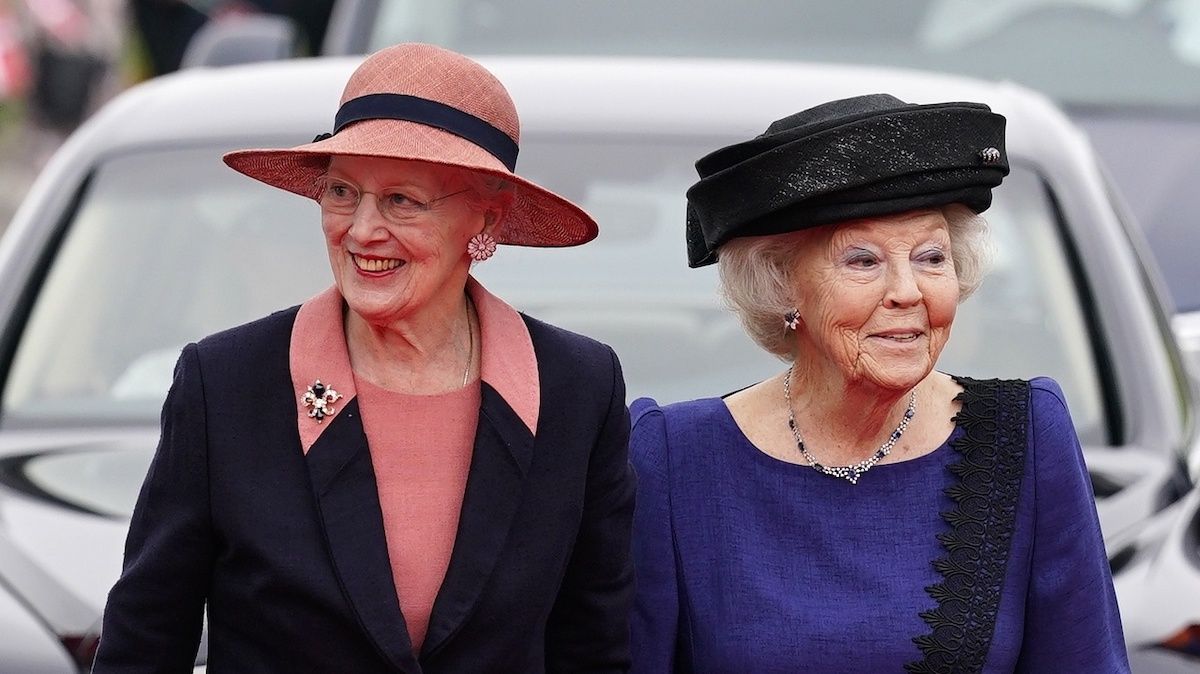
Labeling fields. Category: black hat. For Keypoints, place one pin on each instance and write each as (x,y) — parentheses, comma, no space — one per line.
(852,158)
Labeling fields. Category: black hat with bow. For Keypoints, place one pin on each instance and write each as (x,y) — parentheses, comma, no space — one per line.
(852,158)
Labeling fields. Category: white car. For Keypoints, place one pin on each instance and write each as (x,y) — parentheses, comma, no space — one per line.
(1127,71)
(136,239)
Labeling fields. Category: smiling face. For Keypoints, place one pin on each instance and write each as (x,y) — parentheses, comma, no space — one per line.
(391,268)
(876,299)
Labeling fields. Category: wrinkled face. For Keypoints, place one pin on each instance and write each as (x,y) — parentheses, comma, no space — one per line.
(394,266)
(876,298)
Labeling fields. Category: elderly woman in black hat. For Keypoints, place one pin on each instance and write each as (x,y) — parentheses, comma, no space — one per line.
(403,474)
(860,511)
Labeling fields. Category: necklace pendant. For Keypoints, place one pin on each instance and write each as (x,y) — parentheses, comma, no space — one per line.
(850,473)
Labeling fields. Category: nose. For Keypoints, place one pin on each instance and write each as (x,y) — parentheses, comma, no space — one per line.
(902,287)
(367,223)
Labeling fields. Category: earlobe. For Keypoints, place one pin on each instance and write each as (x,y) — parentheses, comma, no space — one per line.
(791,319)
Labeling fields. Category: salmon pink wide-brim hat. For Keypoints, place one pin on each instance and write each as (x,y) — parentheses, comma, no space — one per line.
(423,103)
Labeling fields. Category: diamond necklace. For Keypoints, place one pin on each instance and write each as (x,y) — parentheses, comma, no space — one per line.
(852,472)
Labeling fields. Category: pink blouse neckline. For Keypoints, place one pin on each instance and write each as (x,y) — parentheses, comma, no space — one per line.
(318,352)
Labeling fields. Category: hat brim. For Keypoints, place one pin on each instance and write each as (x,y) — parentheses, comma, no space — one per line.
(536,217)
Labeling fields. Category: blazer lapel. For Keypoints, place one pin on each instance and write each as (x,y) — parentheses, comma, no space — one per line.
(495,486)
(343,481)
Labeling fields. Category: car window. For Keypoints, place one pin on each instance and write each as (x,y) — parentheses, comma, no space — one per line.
(1158,40)
(154,259)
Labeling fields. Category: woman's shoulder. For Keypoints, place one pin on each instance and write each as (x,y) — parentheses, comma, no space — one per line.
(685,412)
(1053,444)
(1043,383)
(1050,418)
(551,341)
(660,434)
(1045,395)
(655,426)
(251,343)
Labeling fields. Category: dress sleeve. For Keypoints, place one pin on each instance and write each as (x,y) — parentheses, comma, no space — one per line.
(154,615)
(1071,619)
(655,620)
(588,630)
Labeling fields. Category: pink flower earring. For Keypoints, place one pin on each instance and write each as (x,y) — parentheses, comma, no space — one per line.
(791,320)
(481,246)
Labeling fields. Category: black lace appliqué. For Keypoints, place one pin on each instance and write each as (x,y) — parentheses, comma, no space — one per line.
(992,450)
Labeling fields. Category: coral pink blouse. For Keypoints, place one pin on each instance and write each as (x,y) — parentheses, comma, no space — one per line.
(421,450)
(421,446)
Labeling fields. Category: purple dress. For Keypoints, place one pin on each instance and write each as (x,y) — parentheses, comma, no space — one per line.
(982,556)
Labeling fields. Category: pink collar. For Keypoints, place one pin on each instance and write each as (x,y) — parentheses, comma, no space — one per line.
(318,352)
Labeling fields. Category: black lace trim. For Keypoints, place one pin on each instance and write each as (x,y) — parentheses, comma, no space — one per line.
(992,448)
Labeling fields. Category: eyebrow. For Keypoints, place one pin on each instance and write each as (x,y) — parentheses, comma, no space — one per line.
(397,185)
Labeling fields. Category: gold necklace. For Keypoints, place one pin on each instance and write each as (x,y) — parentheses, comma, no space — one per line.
(470,343)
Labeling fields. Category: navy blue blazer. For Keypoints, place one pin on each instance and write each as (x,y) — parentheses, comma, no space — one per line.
(287,549)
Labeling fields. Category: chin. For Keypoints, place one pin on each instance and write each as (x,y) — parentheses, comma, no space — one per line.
(899,376)
(372,307)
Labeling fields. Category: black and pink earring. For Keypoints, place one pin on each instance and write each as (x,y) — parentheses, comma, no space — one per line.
(481,246)
(791,320)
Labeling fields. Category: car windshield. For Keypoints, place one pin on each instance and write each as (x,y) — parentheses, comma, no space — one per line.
(1105,52)
(153,259)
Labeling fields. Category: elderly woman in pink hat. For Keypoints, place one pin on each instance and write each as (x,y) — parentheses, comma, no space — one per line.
(403,474)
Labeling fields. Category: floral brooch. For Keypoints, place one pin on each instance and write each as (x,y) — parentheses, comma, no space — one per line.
(319,399)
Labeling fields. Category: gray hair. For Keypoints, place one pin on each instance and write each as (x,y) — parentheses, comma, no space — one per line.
(756,274)
(485,190)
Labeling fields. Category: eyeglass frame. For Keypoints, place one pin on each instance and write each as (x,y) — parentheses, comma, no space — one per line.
(419,208)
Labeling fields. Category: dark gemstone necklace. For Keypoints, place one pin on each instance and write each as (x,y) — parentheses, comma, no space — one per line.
(852,472)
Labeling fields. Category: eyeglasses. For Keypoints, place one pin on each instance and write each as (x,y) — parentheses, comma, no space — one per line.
(342,197)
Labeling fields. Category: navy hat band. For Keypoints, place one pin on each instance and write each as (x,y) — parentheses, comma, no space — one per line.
(431,113)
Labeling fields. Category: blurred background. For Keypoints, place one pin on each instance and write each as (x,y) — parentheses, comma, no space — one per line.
(61,59)
(136,239)
(1127,70)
